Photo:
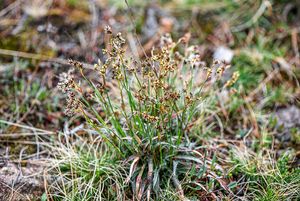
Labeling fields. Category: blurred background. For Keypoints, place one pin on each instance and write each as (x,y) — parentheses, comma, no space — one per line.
(38,36)
(259,38)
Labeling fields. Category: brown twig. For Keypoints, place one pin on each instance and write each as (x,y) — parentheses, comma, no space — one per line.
(39,57)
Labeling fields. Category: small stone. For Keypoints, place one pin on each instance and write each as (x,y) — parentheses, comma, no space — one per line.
(223,53)
(288,117)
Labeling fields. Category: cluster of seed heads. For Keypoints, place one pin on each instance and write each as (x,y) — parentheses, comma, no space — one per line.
(233,79)
(77,64)
(67,85)
(150,118)
(66,81)
(73,104)
(151,88)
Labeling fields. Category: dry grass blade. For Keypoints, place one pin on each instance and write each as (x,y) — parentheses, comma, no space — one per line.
(132,168)
(26,127)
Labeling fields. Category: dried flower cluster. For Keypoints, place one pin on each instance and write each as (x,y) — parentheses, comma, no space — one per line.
(66,81)
(233,80)
(67,85)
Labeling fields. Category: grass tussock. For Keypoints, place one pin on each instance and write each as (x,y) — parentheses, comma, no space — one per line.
(85,171)
(263,177)
(147,115)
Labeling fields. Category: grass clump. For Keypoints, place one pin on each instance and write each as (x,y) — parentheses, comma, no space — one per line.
(147,114)
(85,171)
(264,177)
